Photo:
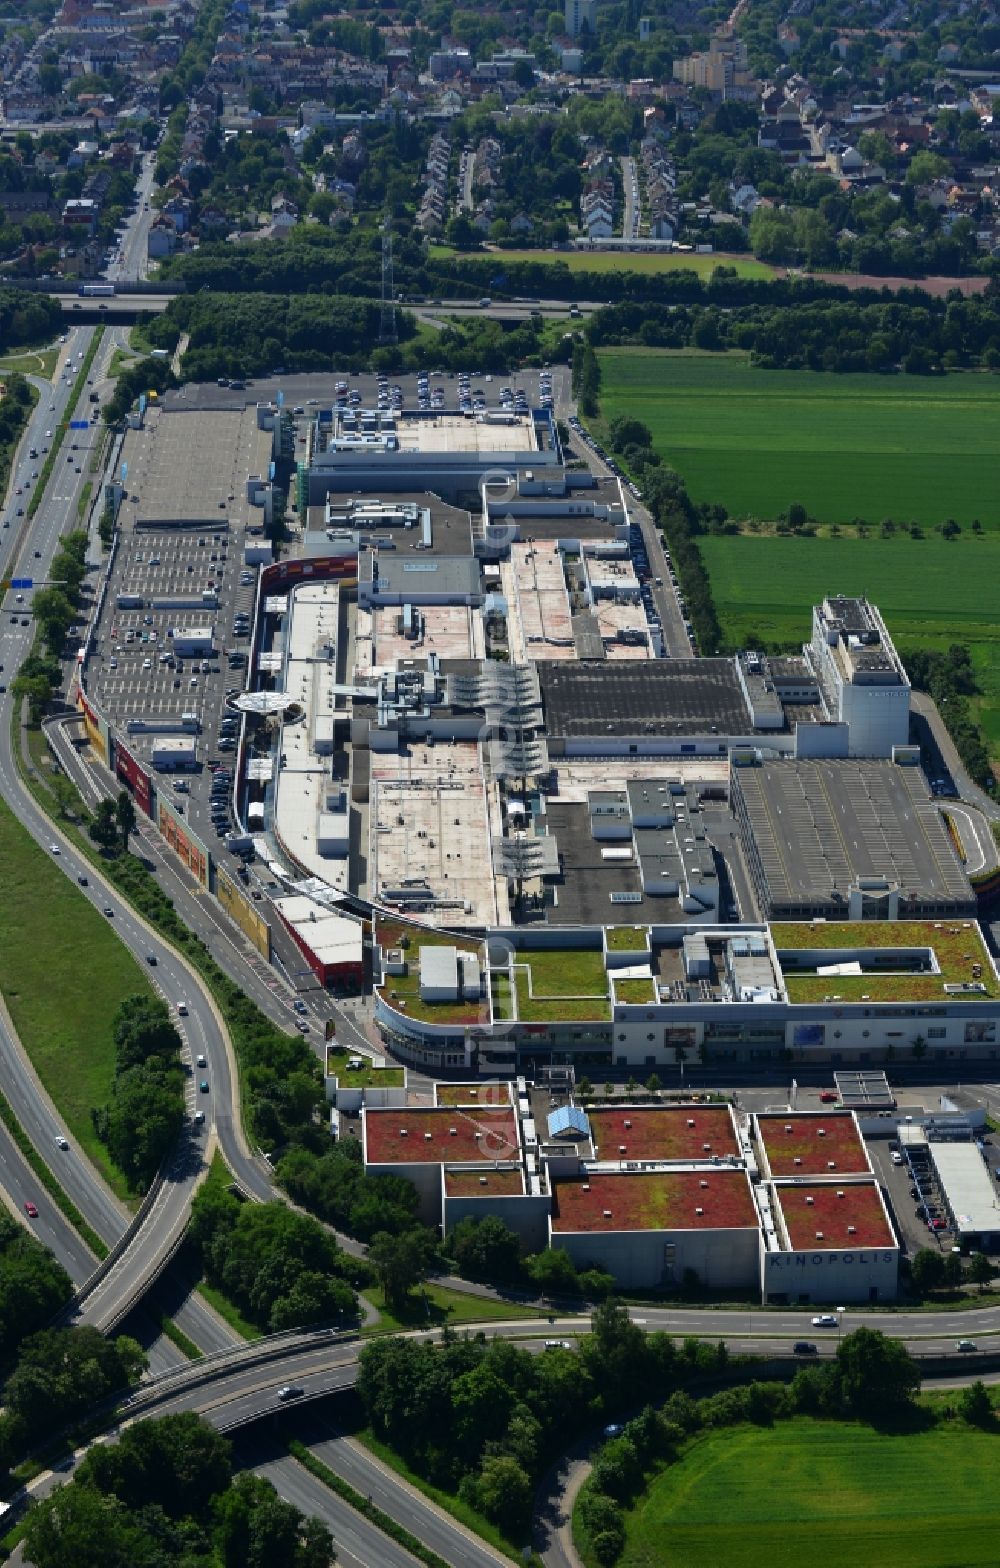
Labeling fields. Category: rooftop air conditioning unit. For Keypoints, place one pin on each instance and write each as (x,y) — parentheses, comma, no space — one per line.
(810,1200)
(699,1211)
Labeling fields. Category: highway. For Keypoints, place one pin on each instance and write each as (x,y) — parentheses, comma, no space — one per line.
(26,550)
(358,1543)
(238,1392)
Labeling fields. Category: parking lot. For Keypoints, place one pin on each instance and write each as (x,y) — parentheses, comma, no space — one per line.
(913,1194)
(307,393)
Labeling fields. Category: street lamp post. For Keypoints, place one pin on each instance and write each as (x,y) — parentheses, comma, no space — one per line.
(840,1323)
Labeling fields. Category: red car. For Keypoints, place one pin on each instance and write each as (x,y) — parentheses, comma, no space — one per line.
(829,1097)
(31,1210)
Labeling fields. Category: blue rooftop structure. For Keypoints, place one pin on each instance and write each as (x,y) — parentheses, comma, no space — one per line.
(568,1122)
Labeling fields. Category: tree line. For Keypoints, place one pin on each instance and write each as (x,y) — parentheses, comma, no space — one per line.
(910,332)
(679,520)
(281,1269)
(143,1117)
(951,680)
(165,1495)
(485,1418)
(872,1378)
(26,318)
(58,1376)
(54,608)
(15,411)
(33,1286)
(238,335)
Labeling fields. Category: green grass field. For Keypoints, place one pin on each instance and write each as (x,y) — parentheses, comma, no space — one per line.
(63,973)
(607,261)
(904,447)
(432,1305)
(815,1491)
(930,592)
(31,362)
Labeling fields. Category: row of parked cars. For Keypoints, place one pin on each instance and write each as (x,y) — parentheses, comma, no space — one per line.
(585,436)
(924,1188)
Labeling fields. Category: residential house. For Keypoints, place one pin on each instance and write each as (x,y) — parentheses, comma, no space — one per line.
(161,239)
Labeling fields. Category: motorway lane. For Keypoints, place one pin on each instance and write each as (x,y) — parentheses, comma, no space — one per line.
(43,1124)
(20,1185)
(358,1543)
(228,946)
(403,1503)
(327,1365)
(31,1105)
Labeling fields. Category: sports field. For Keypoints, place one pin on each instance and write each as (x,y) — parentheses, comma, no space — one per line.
(817,1491)
(931,593)
(612,261)
(905,447)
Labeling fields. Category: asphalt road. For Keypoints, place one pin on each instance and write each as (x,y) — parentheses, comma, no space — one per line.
(358,1543)
(321,1365)
(18,547)
(676,642)
(630,187)
(402,1502)
(133,264)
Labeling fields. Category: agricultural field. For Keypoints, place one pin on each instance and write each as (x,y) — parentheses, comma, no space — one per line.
(931,592)
(752,1497)
(613,261)
(914,449)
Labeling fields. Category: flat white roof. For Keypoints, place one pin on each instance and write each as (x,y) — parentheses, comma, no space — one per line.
(304,780)
(450,432)
(333,938)
(968,1189)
